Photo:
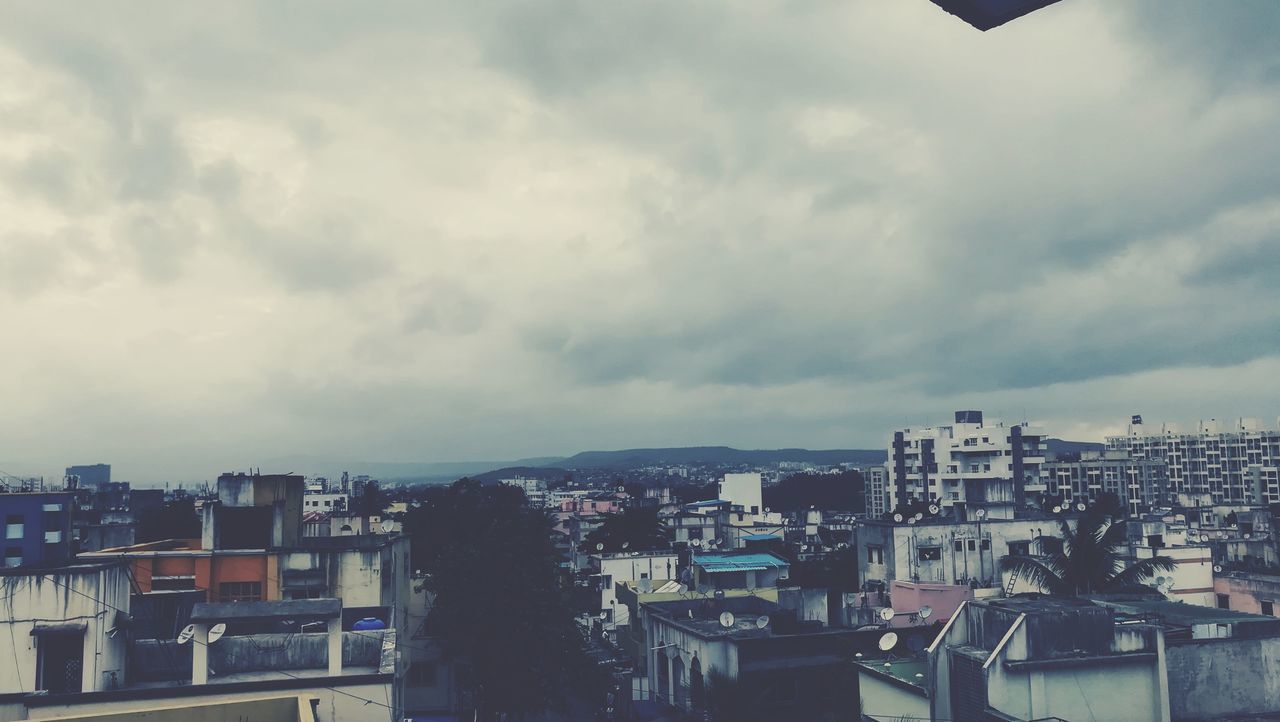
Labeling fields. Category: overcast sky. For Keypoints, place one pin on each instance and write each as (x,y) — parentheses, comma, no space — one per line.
(468,230)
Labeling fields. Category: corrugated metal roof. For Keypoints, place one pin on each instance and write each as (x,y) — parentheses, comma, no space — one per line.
(738,562)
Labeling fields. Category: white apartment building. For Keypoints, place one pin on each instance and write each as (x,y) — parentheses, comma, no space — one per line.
(535,490)
(1216,463)
(744,490)
(970,463)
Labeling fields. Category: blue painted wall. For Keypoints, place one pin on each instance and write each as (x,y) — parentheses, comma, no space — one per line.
(38,516)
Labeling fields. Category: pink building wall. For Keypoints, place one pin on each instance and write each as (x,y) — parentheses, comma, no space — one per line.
(908,597)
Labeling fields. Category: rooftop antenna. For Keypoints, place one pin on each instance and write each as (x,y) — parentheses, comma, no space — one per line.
(216,632)
(888,641)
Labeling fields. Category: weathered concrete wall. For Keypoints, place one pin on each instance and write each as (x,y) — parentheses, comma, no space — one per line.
(1210,678)
(292,651)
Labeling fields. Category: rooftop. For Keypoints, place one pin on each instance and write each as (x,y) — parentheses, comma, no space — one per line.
(1181,613)
(266,611)
(902,670)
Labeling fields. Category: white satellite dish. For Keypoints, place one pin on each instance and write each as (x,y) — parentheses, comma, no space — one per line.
(726,619)
(980,513)
(387,526)
(626,544)
(926,611)
(888,641)
(216,632)
(762,621)
(897,518)
(600,547)
(1080,506)
(934,508)
(912,520)
(887,613)
(919,515)
(767,510)
(1159,581)
(695,543)
(1217,568)
(1057,509)
(681,589)
(622,488)
(186,634)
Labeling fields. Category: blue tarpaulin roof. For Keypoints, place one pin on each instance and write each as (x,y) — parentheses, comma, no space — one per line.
(713,563)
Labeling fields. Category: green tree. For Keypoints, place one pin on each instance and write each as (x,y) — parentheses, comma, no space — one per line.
(1089,562)
(634,529)
(498,612)
(177,519)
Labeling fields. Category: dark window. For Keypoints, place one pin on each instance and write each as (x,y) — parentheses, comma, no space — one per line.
(959,545)
(985,545)
(168,584)
(1224,601)
(1050,545)
(60,663)
(1268,609)
(1019,549)
(695,532)
(875,555)
(973,545)
(930,554)
(240,591)
(422,674)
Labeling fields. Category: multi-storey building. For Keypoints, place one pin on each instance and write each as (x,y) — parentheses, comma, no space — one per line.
(37,527)
(876,482)
(1139,484)
(971,463)
(1217,463)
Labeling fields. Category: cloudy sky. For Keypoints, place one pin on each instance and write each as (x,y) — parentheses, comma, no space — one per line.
(475,230)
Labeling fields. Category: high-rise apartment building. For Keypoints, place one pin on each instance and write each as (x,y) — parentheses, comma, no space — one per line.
(1217,463)
(1139,484)
(969,464)
(875,480)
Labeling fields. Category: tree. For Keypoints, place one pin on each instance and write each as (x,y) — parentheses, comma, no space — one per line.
(635,529)
(1088,562)
(498,612)
(177,519)
(845,491)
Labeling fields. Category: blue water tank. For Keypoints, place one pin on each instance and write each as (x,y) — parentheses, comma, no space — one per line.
(369,623)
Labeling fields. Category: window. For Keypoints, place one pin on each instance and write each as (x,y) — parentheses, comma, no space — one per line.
(985,545)
(695,532)
(13,556)
(167,584)
(1019,549)
(959,545)
(875,555)
(1050,545)
(52,537)
(422,674)
(973,545)
(1268,609)
(930,554)
(1224,601)
(306,594)
(52,507)
(240,591)
(14,526)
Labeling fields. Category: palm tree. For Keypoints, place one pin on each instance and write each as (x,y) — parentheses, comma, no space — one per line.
(1088,562)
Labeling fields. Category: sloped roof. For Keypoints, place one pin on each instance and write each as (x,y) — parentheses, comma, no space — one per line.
(735,562)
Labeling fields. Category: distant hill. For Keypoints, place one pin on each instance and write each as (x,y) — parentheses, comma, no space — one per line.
(632,458)
(1059,446)
(546,473)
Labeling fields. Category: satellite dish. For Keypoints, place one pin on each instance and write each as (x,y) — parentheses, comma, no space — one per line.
(681,589)
(1080,506)
(1247,535)
(912,520)
(919,515)
(695,543)
(726,619)
(186,634)
(762,621)
(888,641)
(1057,509)
(767,510)
(980,513)
(600,547)
(216,632)
(626,544)
(1217,568)
(387,526)
(897,518)
(934,509)
(926,611)
(887,613)
(622,488)
(1160,581)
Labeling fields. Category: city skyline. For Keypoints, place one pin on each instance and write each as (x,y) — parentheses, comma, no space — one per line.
(452,233)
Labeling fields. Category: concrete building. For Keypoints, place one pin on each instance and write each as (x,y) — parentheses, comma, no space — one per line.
(57,621)
(972,463)
(646,570)
(37,527)
(942,550)
(1139,484)
(1236,462)
(736,570)
(91,476)
(743,490)
(535,490)
(325,502)
(876,481)
(1249,592)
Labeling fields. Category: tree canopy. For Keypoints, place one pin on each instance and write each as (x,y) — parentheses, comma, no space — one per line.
(176,519)
(844,491)
(1089,561)
(636,529)
(498,611)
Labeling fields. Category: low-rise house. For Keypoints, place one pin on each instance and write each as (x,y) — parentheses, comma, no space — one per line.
(645,569)
(710,571)
(1251,592)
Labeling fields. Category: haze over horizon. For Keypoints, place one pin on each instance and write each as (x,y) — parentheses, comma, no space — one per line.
(414,232)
